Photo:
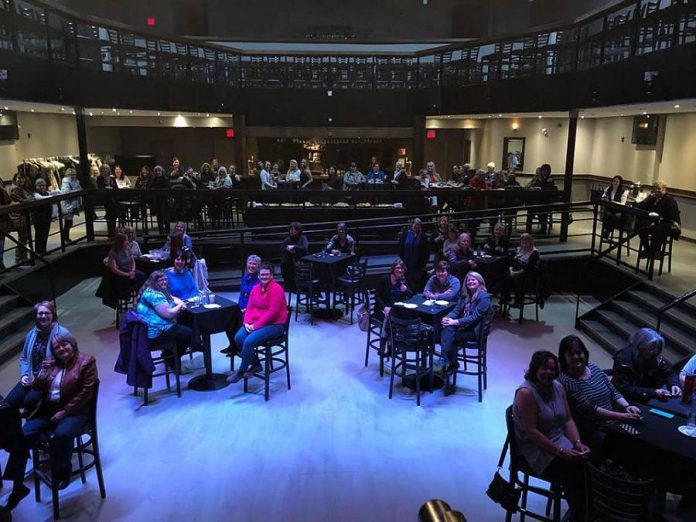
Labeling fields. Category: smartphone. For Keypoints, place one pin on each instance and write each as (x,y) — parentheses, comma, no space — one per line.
(660,413)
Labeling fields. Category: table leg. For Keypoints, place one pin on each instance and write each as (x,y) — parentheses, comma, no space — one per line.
(209,381)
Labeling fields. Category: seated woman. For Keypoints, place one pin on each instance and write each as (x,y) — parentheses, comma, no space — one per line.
(617,194)
(293,248)
(442,285)
(497,243)
(450,242)
(180,280)
(264,319)
(341,243)
(461,257)
(640,373)
(464,323)
(391,289)
(592,397)
(67,381)
(178,237)
(37,346)
(132,243)
(249,280)
(121,263)
(547,437)
(158,309)
(522,268)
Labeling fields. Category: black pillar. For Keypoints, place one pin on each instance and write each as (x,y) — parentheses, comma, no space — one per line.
(568,177)
(83,173)
(240,148)
(417,157)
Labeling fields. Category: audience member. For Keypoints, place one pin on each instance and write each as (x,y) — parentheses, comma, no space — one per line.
(592,397)
(264,319)
(376,174)
(159,309)
(497,243)
(122,181)
(442,285)
(180,279)
(392,288)
(640,372)
(353,178)
(431,173)
(20,194)
(615,193)
(546,434)
(144,180)
(664,210)
(70,207)
(341,242)
(523,268)
(464,323)
(415,252)
(461,257)
(37,346)
(293,175)
(41,216)
(12,441)
(293,248)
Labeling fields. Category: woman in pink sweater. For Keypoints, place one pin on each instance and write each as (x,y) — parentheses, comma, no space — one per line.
(264,319)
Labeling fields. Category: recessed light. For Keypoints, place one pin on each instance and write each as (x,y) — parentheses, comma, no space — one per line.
(539,116)
(500,115)
(62,108)
(32,110)
(91,114)
(582,117)
(644,113)
(7,108)
(130,112)
(207,115)
(114,109)
(159,114)
(676,105)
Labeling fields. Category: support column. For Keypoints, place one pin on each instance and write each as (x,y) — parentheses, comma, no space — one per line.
(417,157)
(568,177)
(240,148)
(83,173)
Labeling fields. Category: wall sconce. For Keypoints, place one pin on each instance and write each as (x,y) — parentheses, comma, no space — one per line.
(515,126)
(545,132)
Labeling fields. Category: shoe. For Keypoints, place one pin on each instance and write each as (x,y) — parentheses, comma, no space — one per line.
(235,377)
(16,497)
(230,351)
(253,369)
(452,367)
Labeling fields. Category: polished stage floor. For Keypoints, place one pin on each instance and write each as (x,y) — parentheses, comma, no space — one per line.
(334,447)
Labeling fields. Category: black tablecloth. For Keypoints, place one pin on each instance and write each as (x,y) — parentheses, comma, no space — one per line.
(206,321)
(673,405)
(327,267)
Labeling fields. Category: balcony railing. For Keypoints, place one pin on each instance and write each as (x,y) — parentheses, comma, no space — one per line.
(631,28)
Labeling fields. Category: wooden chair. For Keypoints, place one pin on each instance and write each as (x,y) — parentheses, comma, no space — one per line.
(618,499)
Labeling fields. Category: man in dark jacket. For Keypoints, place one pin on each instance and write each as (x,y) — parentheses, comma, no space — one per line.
(414,250)
(665,212)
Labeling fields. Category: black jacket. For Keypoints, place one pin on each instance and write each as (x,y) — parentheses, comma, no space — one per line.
(640,386)
(666,206)
(383,296)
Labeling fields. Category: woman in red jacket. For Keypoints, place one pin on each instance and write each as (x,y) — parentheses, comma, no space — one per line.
(264,319)
(67,380)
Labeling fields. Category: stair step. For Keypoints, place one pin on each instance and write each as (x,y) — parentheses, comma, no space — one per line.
(678,339)
(679,314)
(624,327)
(7,303)
(14,320)
(602,334)
(11,345)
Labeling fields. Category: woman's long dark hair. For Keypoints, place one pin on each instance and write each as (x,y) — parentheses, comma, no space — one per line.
(538,360)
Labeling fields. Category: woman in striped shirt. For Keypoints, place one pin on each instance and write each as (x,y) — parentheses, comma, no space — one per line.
(592,397)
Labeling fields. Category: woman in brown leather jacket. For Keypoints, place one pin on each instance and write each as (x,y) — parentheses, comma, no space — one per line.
(67,381)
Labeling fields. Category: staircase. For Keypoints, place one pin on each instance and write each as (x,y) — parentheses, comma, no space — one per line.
(612,323)
(16,318)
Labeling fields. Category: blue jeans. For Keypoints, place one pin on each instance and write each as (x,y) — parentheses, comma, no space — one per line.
(246,342)
(450,338)
(61,435)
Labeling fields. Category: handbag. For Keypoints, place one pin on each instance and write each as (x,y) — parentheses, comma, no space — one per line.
(500,490)
(363,318)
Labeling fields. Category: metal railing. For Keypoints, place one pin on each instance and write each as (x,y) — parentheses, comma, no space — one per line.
(679,300)
(38,29)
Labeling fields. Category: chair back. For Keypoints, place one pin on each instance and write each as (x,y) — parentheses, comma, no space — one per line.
(406,334)
(303,271)
(486,325)
(92,414)
(510,424)
(619,498)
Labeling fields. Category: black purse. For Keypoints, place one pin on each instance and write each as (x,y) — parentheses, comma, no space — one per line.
(500,490)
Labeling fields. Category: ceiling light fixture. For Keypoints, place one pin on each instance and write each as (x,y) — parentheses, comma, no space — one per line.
(676,105)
